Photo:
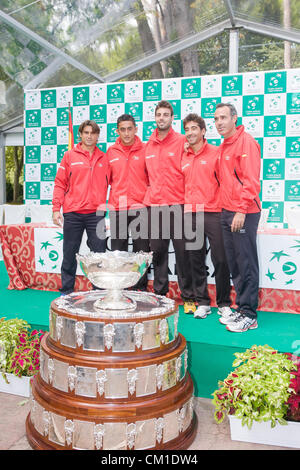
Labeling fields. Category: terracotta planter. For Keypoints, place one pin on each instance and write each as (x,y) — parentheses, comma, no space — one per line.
(262,433)
(16,386)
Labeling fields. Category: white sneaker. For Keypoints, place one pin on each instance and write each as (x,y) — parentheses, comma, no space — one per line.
(228,316)
(202,311)
(223,311)
(242,323)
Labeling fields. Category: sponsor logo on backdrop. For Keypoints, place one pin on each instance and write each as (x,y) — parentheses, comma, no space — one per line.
(48,99)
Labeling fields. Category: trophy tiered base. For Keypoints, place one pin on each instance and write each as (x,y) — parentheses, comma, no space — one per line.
(112,380)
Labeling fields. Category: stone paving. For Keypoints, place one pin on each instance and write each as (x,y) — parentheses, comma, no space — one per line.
(210,435)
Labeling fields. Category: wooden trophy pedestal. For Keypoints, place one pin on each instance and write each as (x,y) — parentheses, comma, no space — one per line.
(112,382)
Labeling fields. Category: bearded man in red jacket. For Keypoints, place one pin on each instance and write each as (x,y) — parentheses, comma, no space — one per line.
(202,205)
(80,189)
(165,197)
(129,183)
(239,199)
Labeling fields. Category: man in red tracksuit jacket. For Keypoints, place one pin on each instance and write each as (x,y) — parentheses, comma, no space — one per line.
(129,183)
(239,198)
(165,197)
(80,189)
(200,168)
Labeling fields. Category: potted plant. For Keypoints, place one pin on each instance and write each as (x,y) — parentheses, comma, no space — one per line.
(261,397)
(19,355)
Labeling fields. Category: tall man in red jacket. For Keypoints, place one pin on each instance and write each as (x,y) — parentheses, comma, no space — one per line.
(200,169)
(80,189)
(166,200)
(240,186)
(129,183)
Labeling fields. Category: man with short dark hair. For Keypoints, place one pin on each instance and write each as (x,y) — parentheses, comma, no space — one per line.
(200,168)
(165,197)
(129,183)
(80,189)
(239,199)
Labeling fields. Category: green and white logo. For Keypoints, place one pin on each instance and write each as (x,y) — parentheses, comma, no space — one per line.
(152,91)
(61,150)
(33,118)
(33,172)
(49,117)
(273,169)
(32,154)
(135,109)
(253,105)
(232,85)
(149,110)
(115,93)
(283,265)
(170,89)
(81,96)
(253,83)
(32,190)
(292,169)
(275,104)
(292,190)
(48,99)
(98,94)
(273,147)
(33,100)
(48,172)
(292,147)
(98,113)
(47,190)
(190,106)
(275,211)
(274,126)
(273,190)
(148,128)
(211,86)
(293,103)
(111,132)
(63,116)
(133,92)
(208,107)
(48,154)
(190,88)
(275,82)
(63,135)
(80,114)
(114,111)
(33,136)
(293,125)
(49,136)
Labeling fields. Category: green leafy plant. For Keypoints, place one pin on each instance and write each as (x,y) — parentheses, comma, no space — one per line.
(258,389)
(19,348)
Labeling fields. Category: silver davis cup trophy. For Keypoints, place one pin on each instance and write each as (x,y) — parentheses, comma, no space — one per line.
(114,271)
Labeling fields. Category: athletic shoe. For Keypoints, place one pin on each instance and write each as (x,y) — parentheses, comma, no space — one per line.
(202,311)
(189,307)
(223,311)
(242,323)
(228,316)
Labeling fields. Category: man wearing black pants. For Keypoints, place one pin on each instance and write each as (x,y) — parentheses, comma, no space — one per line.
(80,189)
(200,167)
(165,197)
(239,179)
(129,182)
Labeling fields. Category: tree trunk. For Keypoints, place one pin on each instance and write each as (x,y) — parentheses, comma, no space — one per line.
(146,36)
(183,19)
(18,159)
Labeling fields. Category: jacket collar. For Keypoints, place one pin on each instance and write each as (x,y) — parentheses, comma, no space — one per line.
(239,130)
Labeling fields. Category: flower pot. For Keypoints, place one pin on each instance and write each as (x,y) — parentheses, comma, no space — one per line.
(262,433)
(16,386)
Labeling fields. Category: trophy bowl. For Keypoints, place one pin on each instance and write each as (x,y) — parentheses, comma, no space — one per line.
(114,271)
